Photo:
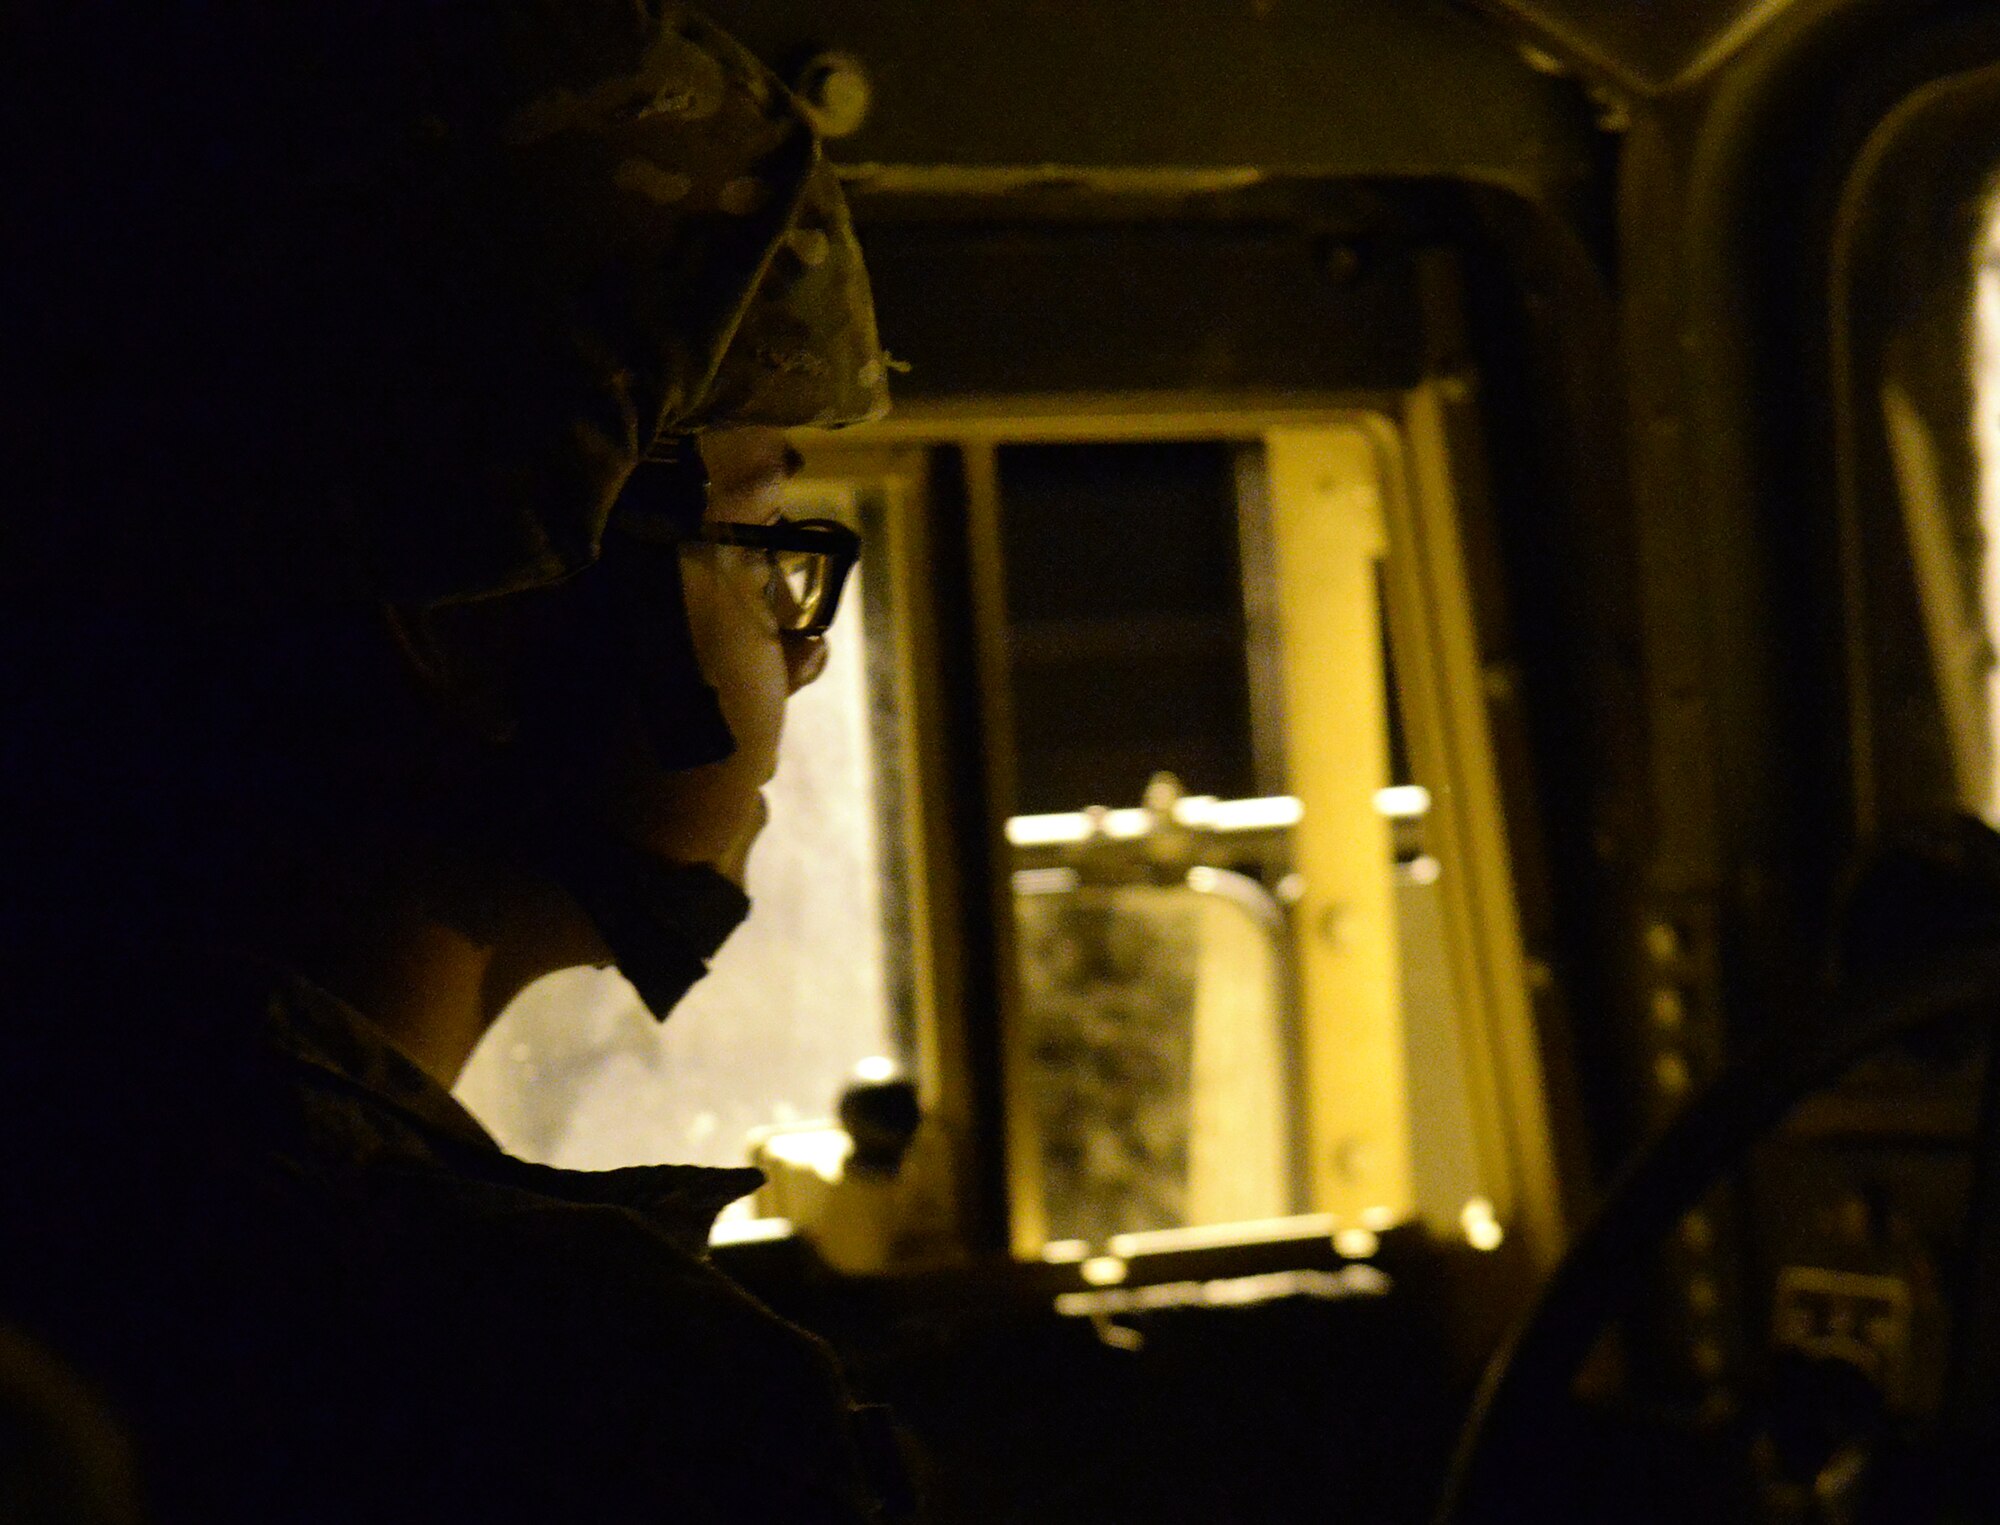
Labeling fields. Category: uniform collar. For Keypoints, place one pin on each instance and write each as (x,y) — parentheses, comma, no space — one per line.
(342,1048)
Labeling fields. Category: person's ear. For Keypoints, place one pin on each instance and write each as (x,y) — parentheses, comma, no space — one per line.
(459,666)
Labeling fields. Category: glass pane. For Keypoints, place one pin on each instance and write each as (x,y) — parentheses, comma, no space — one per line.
(1239,998)
(805,574)
(1125,621)
(1986,435)
(1154,1017)
(575,1073)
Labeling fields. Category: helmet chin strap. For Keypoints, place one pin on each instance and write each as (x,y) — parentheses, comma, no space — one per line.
(649,645)
(663,922)
(655,663)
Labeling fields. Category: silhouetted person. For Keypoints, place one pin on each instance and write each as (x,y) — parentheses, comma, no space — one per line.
(374,643)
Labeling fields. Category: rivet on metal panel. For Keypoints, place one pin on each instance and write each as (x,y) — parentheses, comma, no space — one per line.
(1670,1074)
(1709,1358)
(1355,1243)
(1703,1296)
(1340,262)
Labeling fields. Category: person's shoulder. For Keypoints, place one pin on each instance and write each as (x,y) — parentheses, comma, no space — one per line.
(586,1342)
(578,1266)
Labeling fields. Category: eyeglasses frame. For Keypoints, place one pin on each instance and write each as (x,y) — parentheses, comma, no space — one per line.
(829,538)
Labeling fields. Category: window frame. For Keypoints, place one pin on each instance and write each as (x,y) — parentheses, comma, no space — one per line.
(1427,459)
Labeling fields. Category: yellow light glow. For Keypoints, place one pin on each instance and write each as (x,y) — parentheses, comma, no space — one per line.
(1227,1292)
(1065,1252)
(1045,881)
(1482,1229)
(1356,1243)
(823,1151)
(1403,801)
(1126,825)
(1198,812)
(1104,1270)
(1270,813)
(1207,1236)
(1047,830)
(729,1230)
(1195,810)
(875,1070)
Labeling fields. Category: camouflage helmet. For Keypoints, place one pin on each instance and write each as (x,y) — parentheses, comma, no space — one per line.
(374,300)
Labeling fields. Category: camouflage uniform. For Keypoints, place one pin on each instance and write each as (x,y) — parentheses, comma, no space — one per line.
(351,302)
(320,1293)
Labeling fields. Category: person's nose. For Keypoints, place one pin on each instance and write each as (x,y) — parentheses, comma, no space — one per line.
(805,659)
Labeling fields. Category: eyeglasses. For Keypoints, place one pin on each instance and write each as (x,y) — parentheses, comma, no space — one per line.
(809,560)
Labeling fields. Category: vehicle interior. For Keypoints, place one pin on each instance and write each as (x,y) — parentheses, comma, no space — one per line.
(1387,911)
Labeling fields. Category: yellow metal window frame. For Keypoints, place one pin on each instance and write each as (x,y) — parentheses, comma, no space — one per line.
(1352,485)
